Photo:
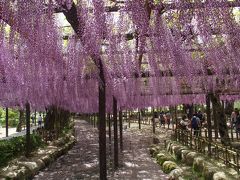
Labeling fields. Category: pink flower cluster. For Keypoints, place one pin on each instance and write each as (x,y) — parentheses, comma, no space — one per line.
(186,50)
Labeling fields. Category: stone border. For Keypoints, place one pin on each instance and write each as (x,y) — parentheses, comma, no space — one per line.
(167,162)
(201,163)
(26,168)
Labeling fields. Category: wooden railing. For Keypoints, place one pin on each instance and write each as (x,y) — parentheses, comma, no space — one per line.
(225,154)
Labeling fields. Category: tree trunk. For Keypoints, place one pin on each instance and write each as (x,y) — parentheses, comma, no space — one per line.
(56,119)
(50,119)
(21,121)
(222,123)
(229,107)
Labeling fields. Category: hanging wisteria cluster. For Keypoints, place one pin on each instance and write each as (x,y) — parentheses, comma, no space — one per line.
(154,53)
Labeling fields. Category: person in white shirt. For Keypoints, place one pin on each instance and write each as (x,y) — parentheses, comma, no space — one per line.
(40,120)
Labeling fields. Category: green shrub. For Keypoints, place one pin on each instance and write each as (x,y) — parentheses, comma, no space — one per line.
(11,122)
(14,147)
(13,116)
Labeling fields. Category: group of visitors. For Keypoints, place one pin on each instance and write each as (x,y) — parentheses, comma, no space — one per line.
(235,120)
(196,122)
(162,118)
(39,120)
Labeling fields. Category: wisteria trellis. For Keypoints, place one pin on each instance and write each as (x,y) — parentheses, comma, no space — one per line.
(188,49)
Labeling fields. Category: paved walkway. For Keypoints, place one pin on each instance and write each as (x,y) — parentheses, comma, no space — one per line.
(137,163)
(12,132)
(81,162)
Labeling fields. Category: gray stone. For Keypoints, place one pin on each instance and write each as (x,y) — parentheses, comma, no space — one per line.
(152,150)
(23,168)
(198,164)
(46,159)
(190,157)
(169,146)
(176,173)
(184,154)
(208,171)
(178,152)
(162,157)
(168,166)
(30,165)
(173,146)
(219,176)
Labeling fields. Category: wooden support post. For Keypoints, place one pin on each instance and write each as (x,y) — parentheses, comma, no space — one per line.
(90,119)
(92,116)
(171,112)
(139,119)
(191,138)
(94,120)
(6,122)
(121,130)
(153,120)
(231,130)
(238,166)
(115,133)
(28,138)
(209,124)
(215,121)
(129,122)
(35,118)
(102,125)
(153,124)
(109,128)
(175,116)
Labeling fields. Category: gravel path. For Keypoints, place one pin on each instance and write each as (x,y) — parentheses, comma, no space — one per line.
(81,162)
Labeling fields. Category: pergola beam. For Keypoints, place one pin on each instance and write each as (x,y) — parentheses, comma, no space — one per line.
(163,7)
(186,6)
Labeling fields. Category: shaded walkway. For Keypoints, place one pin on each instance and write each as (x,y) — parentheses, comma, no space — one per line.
(137,163)
(81,162)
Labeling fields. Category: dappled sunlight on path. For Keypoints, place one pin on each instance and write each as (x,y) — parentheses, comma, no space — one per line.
(137,163)
(81,162)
